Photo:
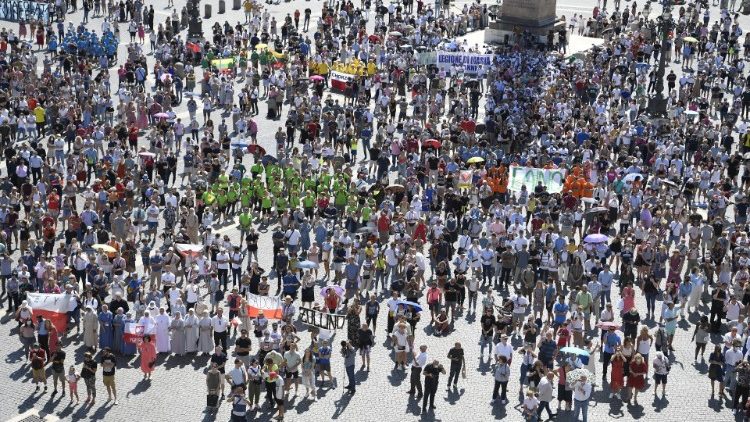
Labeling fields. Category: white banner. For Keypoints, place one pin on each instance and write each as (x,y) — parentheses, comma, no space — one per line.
(470,61)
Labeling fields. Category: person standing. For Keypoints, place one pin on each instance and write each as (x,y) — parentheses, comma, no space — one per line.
(220,325)
(109,365)
(661,370)
(502,375)
(38,359)
(545,390)
(239,403)
(431,373)
(88,373)
(350,360)
(148,356)
(581,396)
(456,355)
(58,372)
(415,380)
(162,331)
(213,383)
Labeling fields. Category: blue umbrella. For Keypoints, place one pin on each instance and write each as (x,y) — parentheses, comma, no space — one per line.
(417,307)
(307,265)
(575,351)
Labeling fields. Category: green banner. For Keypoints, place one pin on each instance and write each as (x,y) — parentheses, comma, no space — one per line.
(553,179)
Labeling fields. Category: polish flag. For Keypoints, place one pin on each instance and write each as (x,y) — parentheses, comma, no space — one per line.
(339,80)
(52,306)
(270,305)
(134,333)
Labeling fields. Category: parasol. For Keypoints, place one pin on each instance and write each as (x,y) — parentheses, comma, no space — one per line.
(307,265)
(475,160)
(146,154)
(597,210)
(690,39)
(256,149)
(336,289)
(161,115)
(607,324)
(575,351)
(431,143)
(317,78)
(103,248)
(261,46)
(417,307)
(596,238)
(576,374)
(395,188)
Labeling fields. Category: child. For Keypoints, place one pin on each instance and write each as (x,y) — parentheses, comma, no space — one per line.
(563,335)
(73,383)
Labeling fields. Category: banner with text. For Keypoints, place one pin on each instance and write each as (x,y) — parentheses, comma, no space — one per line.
(470,61)
(322,320)
(340,79)
(553,179)
(52,306)
(270,305)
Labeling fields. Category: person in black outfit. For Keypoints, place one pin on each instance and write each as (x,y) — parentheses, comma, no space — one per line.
(456,355)
(431,377)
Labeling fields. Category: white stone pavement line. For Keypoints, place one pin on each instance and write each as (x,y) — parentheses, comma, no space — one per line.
(31,413)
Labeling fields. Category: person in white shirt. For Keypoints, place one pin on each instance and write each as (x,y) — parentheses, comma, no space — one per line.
(220,323)
(415,379)
(733,309)
(503,348)
(545,390)
(520,303)
(581,396)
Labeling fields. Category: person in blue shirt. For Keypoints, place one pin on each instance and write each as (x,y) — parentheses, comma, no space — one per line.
(561,312)
(291,284)
(549,298)
(609,347)
(605,277)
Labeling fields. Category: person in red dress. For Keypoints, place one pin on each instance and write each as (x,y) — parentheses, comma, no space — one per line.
(637,378)
(618,373)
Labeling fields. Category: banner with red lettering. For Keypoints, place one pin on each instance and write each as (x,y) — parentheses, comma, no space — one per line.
(134,333)
(51,306)
(270,305)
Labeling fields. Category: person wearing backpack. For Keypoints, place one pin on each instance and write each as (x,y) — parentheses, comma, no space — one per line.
(661,370)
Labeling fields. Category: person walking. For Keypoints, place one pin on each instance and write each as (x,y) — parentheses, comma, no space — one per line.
(58,372)
(431,373)
(415,379)
(581,396)
(456,356)
(661,370)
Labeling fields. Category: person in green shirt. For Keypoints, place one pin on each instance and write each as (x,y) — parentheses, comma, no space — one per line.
(266,202)
(208,198)
(246,222)
(308,203)
(232,196)
(221,201)
(257,169)
(281,205)
(246,198)
(260,190)
(366,213)
(339,200)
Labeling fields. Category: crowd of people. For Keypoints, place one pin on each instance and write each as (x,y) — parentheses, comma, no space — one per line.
(395,190)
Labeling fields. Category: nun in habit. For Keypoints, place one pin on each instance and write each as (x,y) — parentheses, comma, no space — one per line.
(177,327)
(191,332)
(205,340)
(162,331)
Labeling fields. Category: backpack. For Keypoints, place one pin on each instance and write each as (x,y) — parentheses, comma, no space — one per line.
(219,295)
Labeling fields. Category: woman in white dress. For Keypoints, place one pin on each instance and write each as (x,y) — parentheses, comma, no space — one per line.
(148,323)
(593,349)
(162,331)
(191,332)
(205,339)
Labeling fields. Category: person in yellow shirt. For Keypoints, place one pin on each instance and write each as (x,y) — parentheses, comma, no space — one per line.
(40,114)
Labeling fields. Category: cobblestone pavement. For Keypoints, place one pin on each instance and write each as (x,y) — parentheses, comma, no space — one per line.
(177,390)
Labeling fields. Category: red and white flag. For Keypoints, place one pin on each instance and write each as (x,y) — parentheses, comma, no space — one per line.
(270,305)
(52,306)
(339,80)
(134,333)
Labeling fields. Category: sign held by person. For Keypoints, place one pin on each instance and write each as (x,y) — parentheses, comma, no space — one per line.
(322,320)
(553,179)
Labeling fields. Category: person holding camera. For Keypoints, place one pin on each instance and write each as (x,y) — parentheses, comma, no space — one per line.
(350,357)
